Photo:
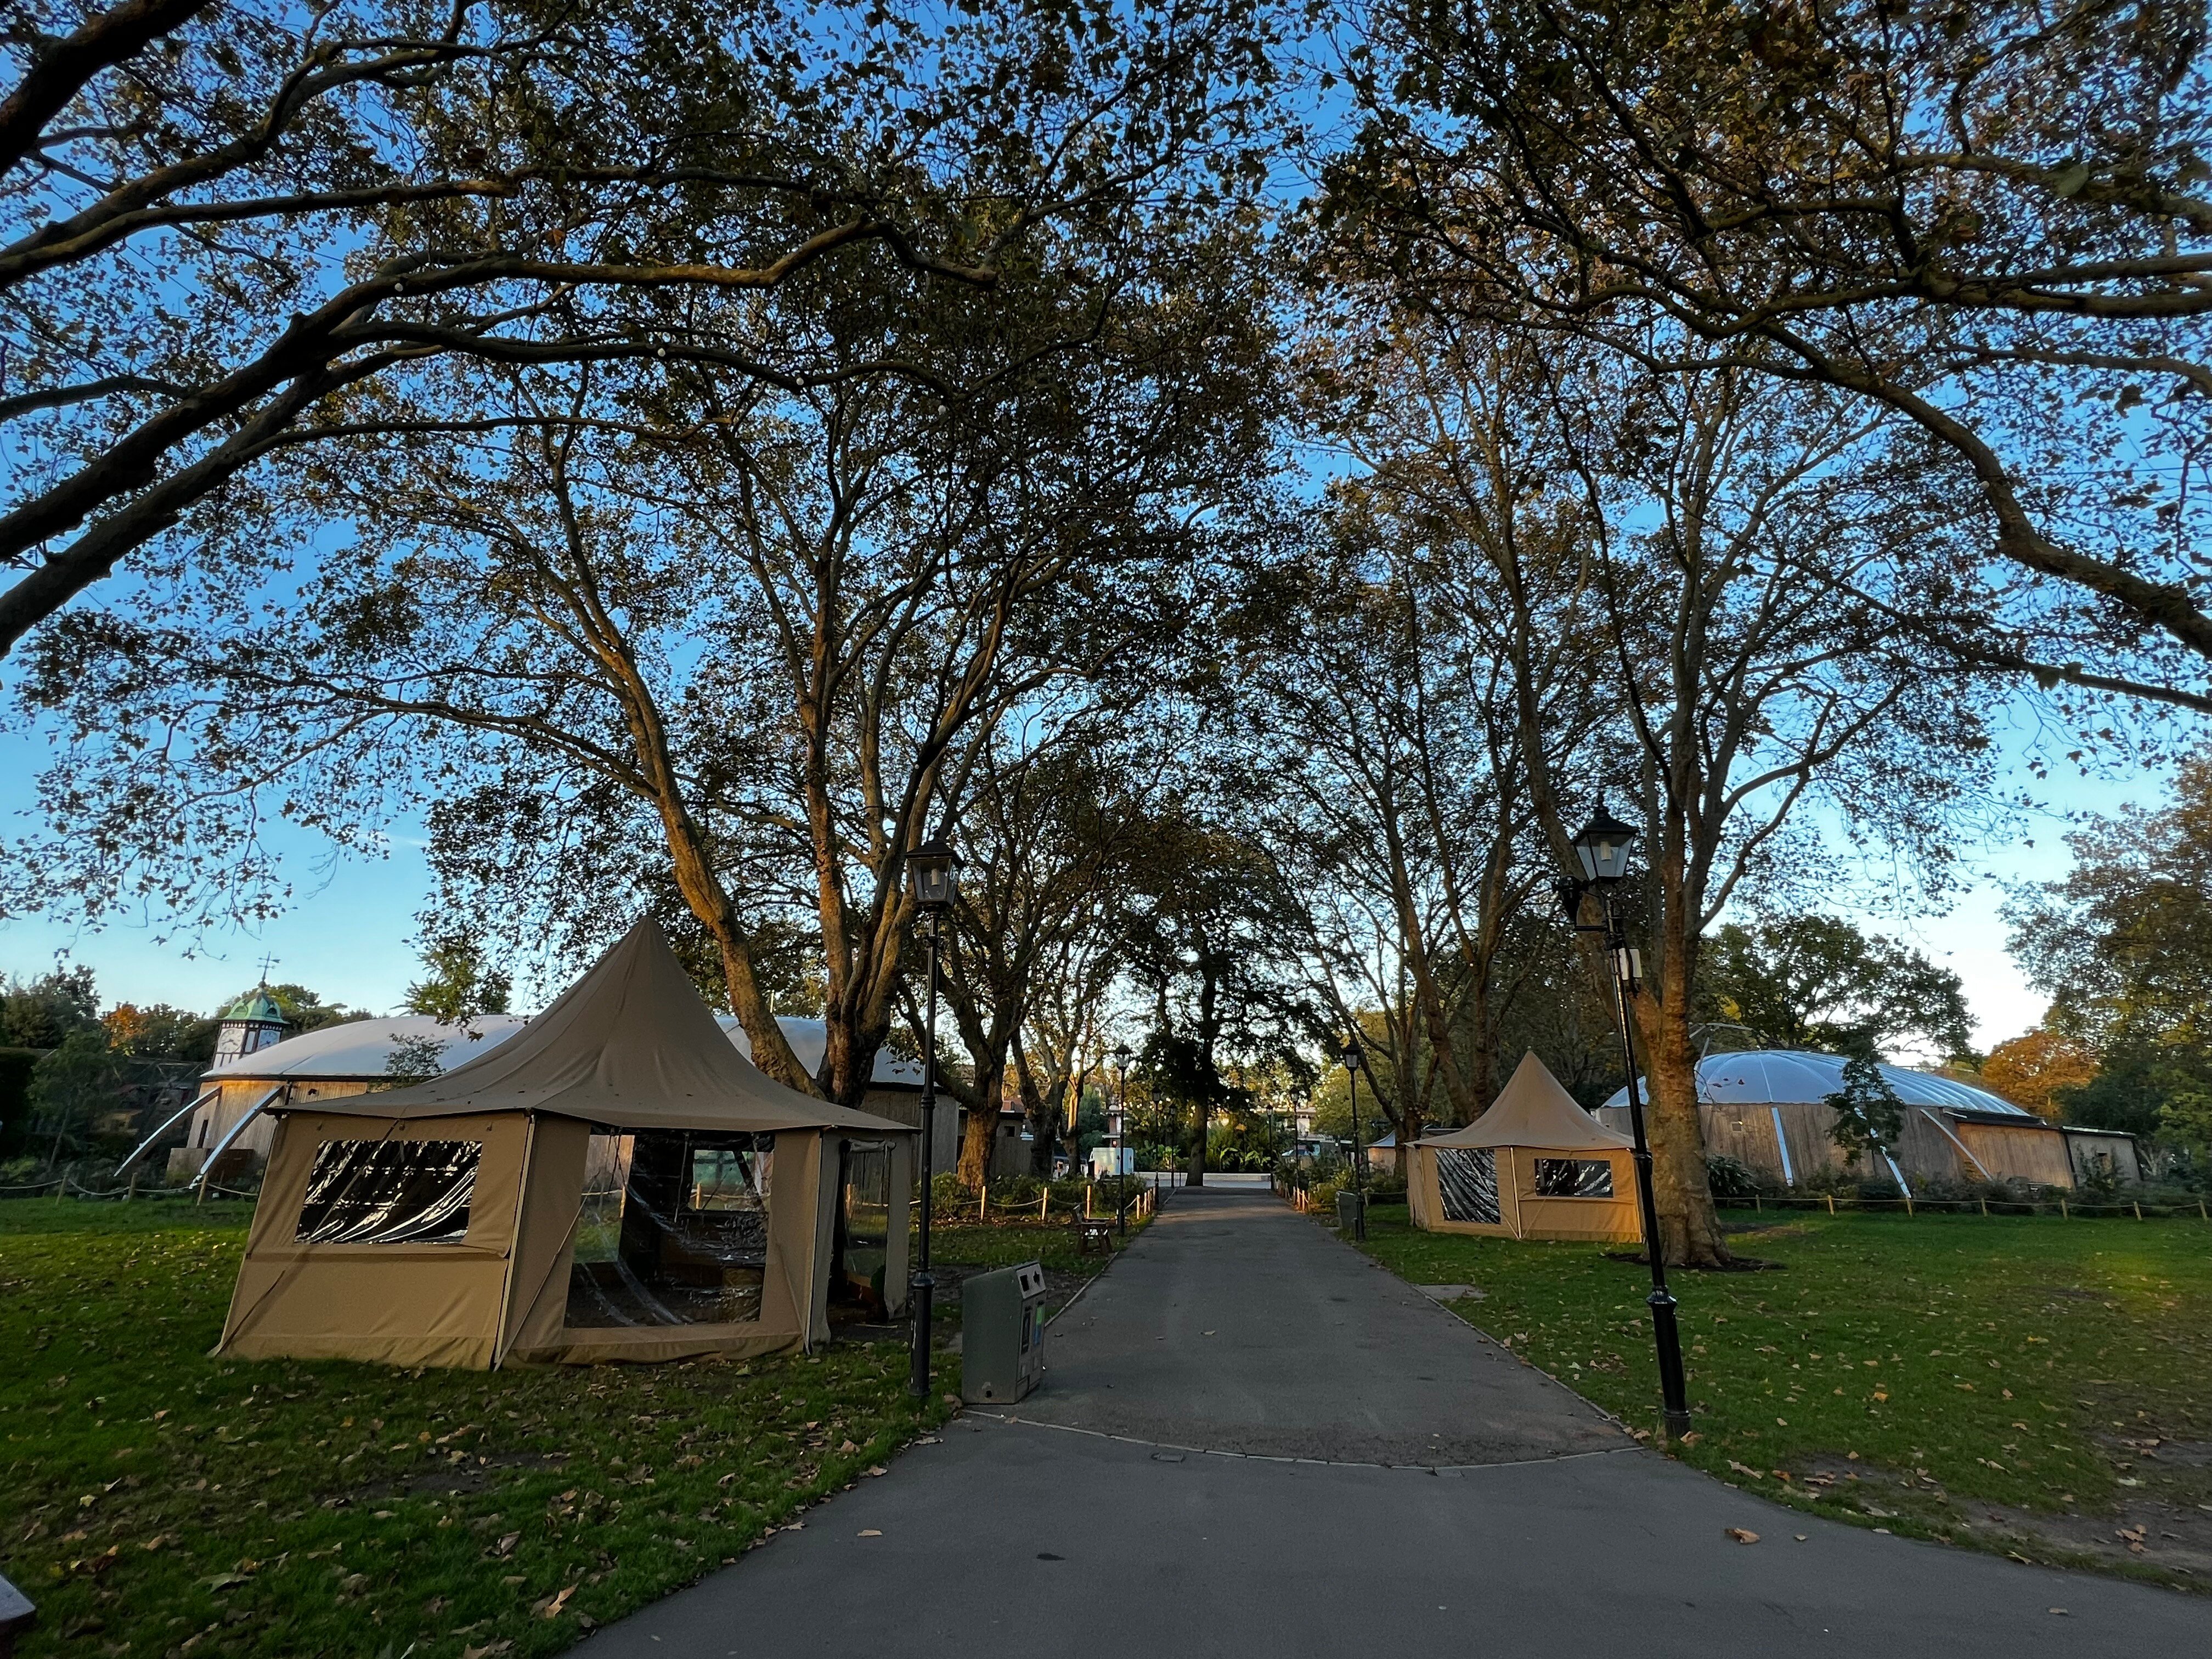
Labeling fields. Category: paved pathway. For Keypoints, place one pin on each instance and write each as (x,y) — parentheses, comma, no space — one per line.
(1159,1490)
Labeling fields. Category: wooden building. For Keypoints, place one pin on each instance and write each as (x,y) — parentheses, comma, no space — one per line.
(1766,1109)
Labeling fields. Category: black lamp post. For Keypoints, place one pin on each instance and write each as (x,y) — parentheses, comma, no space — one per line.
(1352,1061)
(1121,1137)
(1602,849)
(933,875)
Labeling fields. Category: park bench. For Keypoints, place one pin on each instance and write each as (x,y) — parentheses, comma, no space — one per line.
(1096,1236)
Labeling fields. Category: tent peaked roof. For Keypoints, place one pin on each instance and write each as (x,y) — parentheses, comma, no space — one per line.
(629,1045)
(1532,1109)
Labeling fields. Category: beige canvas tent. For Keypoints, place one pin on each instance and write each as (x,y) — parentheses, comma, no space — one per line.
(1536,1165)
(614,1182)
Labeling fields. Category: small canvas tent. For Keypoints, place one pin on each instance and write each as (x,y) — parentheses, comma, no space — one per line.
(1536,1165)
(613,1182)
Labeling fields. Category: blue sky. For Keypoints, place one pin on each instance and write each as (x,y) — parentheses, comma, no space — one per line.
(349,933)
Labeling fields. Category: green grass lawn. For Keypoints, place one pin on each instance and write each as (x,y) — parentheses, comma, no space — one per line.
(159,1502)
(2032,1385)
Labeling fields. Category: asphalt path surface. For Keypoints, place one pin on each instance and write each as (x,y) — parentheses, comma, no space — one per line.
(1252,1441)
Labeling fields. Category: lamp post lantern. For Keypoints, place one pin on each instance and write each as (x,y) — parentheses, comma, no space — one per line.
(1602,849)
(1121,1137)
(1352,1061)
(932,878)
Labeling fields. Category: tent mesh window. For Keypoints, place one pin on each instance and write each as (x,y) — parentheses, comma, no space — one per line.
(864,1223)
(673,1230)
(1573,1177)
(389,1192)
(1467,1180)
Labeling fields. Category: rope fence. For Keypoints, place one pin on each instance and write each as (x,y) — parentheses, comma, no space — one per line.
(67,1185)
(2065,1208)
(1057,1202)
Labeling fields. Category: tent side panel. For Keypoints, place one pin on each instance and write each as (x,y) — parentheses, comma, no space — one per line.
(1511,1175)
(290,1156)
(1421,1200)
(552,1201)
(1604,1220)
(656,1344)
(402,1304)
(795,1207)
(828,1199)
(896,1268)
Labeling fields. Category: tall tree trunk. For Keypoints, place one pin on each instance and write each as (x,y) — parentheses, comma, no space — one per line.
(1688,1224)
(976,1144)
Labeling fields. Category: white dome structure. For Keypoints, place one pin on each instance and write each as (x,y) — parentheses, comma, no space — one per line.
(359,1049)
(334,1061)
(1767,1108)
(1776,1077)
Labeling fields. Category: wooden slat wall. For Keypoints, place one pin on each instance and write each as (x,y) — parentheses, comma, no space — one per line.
(2036,1153)
(1746,1132)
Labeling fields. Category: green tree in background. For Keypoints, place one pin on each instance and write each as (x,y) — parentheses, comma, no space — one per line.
(1869,1115)
(2123,947)
(458,983)
(38,1013)
(1818,983)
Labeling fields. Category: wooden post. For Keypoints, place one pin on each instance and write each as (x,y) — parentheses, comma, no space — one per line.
(2139,1211)
(1985,1204)
(1831,1204)
(1044,1204)
(2062,1206)
(983,1204)
(1908,1201)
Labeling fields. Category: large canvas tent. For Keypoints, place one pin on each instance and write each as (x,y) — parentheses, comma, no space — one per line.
(613,1182)
(1536,1165)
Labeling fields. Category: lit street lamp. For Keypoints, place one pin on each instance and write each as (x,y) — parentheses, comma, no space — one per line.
(1602,849)
(1122,1137)
(933,875)
(1352,1060)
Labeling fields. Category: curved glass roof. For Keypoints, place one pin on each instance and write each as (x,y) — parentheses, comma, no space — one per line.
(1766,1077)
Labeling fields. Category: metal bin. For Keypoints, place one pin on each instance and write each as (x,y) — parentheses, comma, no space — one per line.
(1002,1334)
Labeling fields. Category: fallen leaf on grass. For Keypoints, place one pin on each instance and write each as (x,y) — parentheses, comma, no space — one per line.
(486,1651)
(223,1581)
(552,1606)
(1746,1468)
(506,1546)
(878,1468)
(1741,1535)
